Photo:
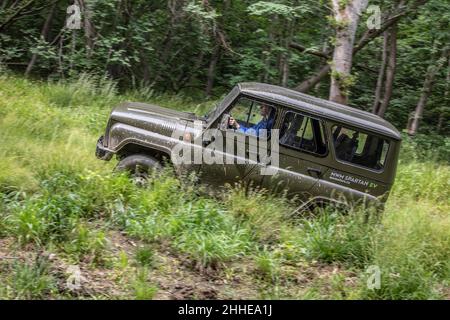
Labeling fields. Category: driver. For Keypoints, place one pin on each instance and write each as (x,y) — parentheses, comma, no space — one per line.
(265,123)
(346,146)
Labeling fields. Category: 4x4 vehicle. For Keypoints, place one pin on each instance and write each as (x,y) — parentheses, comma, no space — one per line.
(325,152)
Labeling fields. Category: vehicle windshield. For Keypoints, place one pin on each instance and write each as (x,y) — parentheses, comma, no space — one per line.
(215,111)
(359,148)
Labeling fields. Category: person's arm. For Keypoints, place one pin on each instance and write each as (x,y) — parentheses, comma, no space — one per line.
(235,125)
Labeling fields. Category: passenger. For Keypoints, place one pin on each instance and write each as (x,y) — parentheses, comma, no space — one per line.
(265,123)
(289,137)
(346,146)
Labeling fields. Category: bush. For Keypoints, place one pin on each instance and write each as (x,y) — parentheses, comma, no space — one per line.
(84,244)
(268,265)
(83,90)
(431,147)
(423,180)
(262,213)
(141,288)
(31,281)
(331,236)
(412,252)
(145,257)
(199,228)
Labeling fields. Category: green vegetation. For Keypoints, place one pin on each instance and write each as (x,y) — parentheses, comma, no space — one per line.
(60,206)
(29,281)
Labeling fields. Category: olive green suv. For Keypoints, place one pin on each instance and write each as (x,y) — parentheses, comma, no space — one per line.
(282,140)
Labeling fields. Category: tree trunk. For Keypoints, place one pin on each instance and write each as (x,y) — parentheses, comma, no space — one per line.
(211,70)
(284,70)
(60,57)
(347,17)
(426,91)
(44,35)
(390,72)
(446,99)
(381,74)
(89,29)
(196,67)
(286,54)
(267,60)
(365,39)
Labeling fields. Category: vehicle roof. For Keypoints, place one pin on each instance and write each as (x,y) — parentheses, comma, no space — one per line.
(320,107)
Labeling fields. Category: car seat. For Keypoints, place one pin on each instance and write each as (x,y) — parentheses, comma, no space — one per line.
(346,147)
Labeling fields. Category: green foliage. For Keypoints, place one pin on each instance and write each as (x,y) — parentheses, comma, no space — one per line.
(260,211)
(424,148)
(198,10)
(412,177)
(330,236)
(30,281)
(142,289)
(268,265)
(267,8)
(145,257)
(86,244)
(85,90)
(412,253)
(199,228)
(346,82)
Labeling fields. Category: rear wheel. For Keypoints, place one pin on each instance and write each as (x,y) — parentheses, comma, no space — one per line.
(140,167)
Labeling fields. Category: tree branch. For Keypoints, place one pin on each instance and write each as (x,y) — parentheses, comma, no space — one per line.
(365,39)
(303,49)
(323,55)
(16,14)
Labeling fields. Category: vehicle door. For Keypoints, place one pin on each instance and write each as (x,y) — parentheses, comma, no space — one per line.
(241,129)
(302,155)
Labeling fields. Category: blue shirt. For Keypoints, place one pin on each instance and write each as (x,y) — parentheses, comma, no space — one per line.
(254,130)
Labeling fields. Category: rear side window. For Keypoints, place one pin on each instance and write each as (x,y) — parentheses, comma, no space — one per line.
(359,148)
(302,133)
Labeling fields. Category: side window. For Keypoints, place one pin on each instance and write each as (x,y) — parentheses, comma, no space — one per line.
(241,111)
(249,116)
(303,133)
(359,148)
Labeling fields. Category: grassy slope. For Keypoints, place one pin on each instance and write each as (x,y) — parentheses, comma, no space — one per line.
(59,206)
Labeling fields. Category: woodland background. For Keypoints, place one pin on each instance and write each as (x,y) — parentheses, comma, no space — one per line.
(400,71)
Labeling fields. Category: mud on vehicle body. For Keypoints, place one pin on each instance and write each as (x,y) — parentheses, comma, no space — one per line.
(328,153)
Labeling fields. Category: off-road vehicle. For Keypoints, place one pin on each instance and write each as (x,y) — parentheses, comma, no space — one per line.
(326,152)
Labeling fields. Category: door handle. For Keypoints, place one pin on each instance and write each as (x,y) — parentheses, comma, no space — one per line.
(315,171)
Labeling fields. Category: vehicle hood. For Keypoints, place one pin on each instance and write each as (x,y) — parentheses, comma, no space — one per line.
(150,117)
(137,108)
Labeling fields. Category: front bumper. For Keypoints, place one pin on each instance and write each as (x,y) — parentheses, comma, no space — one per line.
(101,152)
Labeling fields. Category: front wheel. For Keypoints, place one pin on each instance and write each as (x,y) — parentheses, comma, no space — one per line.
(139,166)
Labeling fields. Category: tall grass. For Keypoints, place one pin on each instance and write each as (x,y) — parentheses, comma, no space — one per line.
(53,192)
(28,281)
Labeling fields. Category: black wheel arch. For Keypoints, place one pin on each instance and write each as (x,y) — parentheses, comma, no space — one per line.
(133,148)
